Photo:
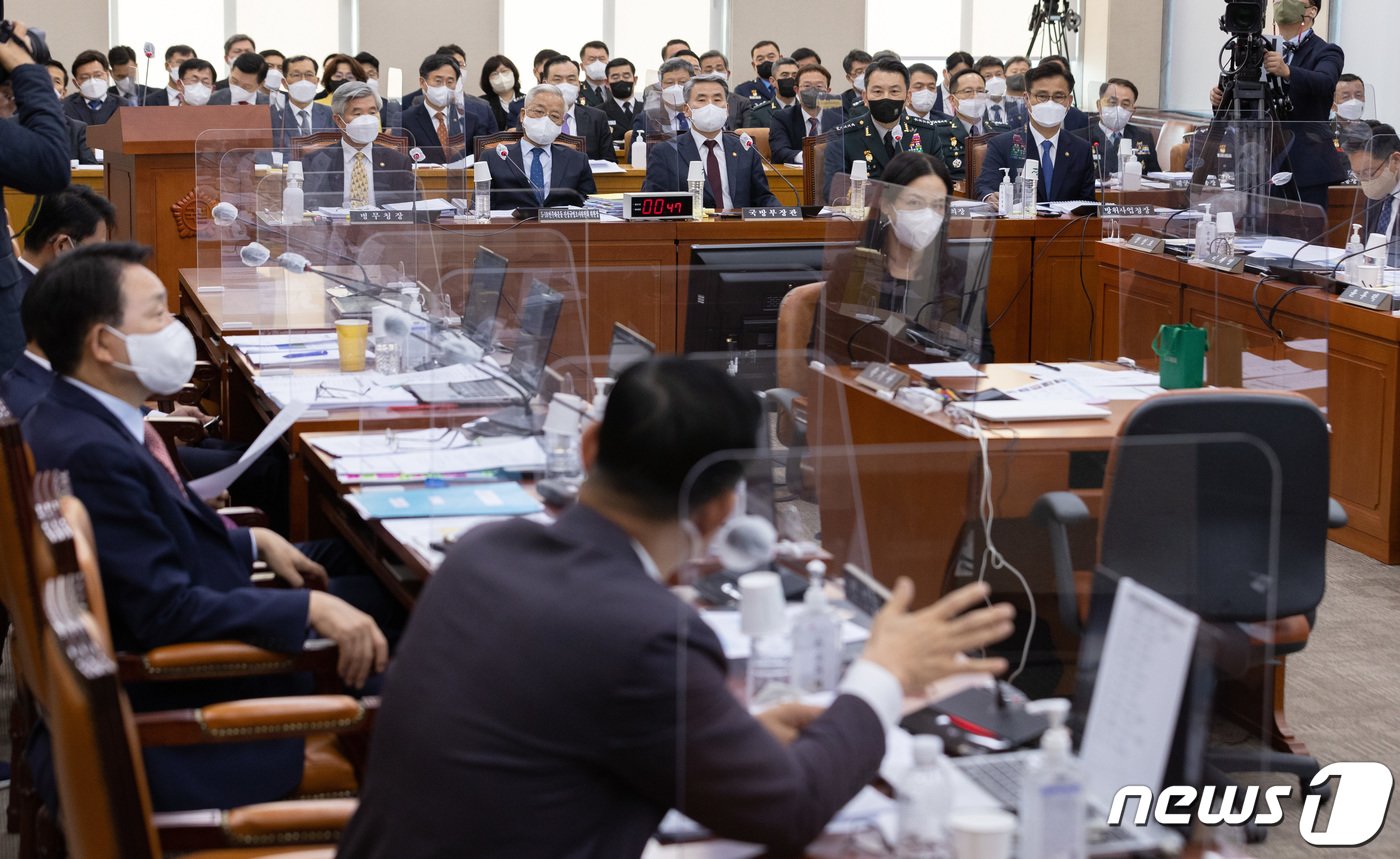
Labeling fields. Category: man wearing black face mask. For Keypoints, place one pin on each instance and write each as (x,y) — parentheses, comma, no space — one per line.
(764,55)
(623,107)
(808,118)
(885,131)
(784,83)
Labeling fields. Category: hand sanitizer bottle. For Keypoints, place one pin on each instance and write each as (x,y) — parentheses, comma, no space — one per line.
(1132,174)
(1053,822)
(925,796)
(816,638)
(638,158)
(1205,233)
(293,201)
(1006,194)
(1353,252)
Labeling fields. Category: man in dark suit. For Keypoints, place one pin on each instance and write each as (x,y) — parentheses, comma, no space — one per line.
(763,56)
(734,177)
(651,724)
(1066,161)
(171,570)
(664,116)
(125,88)
(622,106)
(169,94)
(593,64)
(91,104)
(541,172)
(587,122)
(235,46)
(716,63)
(75,216)
(433,119)
(1373,152)
(355,173)
(245,81)
(956,63)
(301,115)
(790,126)
(1117,100)
(35,161)
(1075,119)
(885,129)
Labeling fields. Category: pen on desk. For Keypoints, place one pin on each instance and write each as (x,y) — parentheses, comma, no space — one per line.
(1048,366)
(321,354)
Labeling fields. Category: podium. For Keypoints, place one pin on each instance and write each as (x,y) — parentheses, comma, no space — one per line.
(151,156)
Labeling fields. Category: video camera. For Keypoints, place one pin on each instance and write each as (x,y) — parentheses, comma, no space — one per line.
(34,41)
(1243,17)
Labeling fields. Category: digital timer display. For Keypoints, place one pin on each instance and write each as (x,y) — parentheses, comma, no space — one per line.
(668,206)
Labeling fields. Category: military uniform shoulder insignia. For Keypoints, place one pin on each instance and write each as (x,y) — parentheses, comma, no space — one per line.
(850,125)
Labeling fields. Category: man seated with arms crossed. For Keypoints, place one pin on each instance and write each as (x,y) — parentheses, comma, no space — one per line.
(354,173)
(171,570)
(1066,162)
(575,740)
(541,172)
(734,177)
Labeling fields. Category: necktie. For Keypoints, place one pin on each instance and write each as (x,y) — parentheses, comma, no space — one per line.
(94,105)
(303,122)
(627,114)
(712,175)
(359,182)
(568,125)
(812,127)
(157,447)
(441,129)
(1047,167)
(681,124)
(537,175)
(975,131)
(890,146)
(1113,145)
(996,114)
(1387,215)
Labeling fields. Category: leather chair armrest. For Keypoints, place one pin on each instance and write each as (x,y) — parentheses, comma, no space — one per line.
(245,517)
(1336,516)
(205,660)
(309,821)
(1057,511)
(257,719)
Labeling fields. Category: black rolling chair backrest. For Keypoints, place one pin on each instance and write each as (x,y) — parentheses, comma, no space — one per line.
(1194,518)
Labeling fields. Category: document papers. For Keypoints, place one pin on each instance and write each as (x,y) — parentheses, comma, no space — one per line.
(212,484)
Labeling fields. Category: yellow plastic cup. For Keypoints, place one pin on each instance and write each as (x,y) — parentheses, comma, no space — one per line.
(351,336)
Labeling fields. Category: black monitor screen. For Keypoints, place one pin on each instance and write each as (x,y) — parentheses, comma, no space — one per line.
(539,317)
(484,297)
(628,348)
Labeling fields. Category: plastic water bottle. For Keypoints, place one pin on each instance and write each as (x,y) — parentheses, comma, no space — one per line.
(763,618)
(1353,252)
(860,175)
(481,191)
(695,181)
(816,638)
(1029,181)
(925,796)
(1053,824)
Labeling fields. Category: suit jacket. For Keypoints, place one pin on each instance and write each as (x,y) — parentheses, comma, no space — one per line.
(390,114)
(738,109)
(570,179)
(77,138)
(591,124)
(225,96)
(619,121)
(849,99)
(36,151)
(668,164)
(755,90)
(418,122)
(502,114)
(325,177)
(1013,113)
(173,573)
(760,113)
(595,779)
(859,138)
(485,118)
(76,106)
(25,384)
(136,98)
(284,123)
(589,98)
(158,97)
(788,128)
(1144,146)
(1312,82)
(1074,166)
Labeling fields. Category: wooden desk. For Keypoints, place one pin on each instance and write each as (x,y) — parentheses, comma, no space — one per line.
(18,204)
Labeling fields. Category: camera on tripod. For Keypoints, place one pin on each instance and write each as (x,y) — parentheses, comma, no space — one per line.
(1243,17)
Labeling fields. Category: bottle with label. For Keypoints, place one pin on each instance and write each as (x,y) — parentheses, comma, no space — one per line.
(1353,253)
(816,637)
(293,201)
(695,181)
(763,618)
(860,174)
(1132,174)
(1053,821)
(925,797)
(1029,182)
(1205,233)
(1006,194)
(481,190)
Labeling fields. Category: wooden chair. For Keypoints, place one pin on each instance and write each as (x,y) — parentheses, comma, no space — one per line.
(976,156)
(309,143)
(486,142)
(625,156)
(796,315)
(760,140)
(814,168)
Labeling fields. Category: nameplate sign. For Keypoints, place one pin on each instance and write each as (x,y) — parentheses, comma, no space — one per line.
(1150,244)
(776,213)
(1180,184)
(570,215)
(1116,210)
(1225,261)
(372,216)
(1372,299)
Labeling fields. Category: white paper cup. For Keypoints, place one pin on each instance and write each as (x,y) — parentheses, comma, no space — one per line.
(982,834)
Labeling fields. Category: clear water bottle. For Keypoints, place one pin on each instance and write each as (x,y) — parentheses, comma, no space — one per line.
(860,175)
(561,456)
(695,182)
(1029,181)
(925,797)
(481,191)
(763,618)
(816,638)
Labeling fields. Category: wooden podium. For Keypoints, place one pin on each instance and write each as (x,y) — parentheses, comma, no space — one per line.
(151,156)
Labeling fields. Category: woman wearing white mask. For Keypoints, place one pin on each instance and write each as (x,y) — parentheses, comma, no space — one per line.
(500,88)
(357,174)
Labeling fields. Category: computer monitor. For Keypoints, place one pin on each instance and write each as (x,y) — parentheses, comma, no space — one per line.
(628,348)
(484,298)
(539,317)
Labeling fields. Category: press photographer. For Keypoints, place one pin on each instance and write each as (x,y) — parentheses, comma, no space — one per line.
(33,158)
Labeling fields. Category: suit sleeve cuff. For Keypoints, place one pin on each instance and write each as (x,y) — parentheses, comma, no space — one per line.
(877,687)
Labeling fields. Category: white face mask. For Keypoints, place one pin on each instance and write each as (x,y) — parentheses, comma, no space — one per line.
(1115,118)
(674,95)
(1381,185)
(373,83)
(126,86)
(917,228)
(438,96)
(273,83)
(1351,109)
(859,82)
(1049,113)
(718,74)
(540,129)
(239,95)
(302,91)
(163,361)
(502,82)
(197,94)
(972,108)
(174,73)
(457,88)
(570,93)
(596,70)
(94,89)
(922,100)
(996,88)
(362,129)
(709,118)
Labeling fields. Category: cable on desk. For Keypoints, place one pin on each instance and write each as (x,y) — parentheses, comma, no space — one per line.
(1287,292)
(1258,310)
(1084,287)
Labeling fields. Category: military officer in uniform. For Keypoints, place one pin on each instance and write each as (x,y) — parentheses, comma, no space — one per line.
(760,113)
(1117,100)
(886,129)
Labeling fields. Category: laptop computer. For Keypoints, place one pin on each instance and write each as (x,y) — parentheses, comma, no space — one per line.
(484,298)
(1131,726)
(628,348)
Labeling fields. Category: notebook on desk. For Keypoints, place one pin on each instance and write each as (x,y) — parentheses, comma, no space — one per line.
(1032,410)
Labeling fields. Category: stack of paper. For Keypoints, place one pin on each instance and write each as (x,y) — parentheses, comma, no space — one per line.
(520,455)
(354,390)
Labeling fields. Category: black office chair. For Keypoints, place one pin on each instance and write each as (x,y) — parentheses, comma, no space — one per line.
(1194,519)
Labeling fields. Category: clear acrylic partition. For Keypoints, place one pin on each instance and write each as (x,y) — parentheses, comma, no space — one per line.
(911,285)
(1198,520)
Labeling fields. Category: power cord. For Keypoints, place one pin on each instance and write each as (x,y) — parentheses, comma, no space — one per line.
(1084,287)
(1031,274)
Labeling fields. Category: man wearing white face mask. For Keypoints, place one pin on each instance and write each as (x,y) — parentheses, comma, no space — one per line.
(734,176)
(245,80)
(196,83)
(170,96)
(1117,100)
(541,172)
(590,123)
(357,174)
(593,60)
(91,104)
(854,64)
(664,116)
(125,71)
(434,119)
(1066,161)
(301,115)
(390,110)
(1374,154)
(1349,98)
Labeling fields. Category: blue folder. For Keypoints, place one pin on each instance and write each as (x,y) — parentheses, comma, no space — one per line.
(475,499)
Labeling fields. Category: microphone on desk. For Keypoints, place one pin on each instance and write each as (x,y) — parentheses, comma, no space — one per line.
(416,154)
(747,142)
(745,543)
(149,49)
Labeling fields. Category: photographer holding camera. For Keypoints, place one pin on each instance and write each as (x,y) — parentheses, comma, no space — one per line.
(33,159)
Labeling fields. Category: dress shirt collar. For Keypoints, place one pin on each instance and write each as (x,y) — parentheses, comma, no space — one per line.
(128,415)
(39,359)
(31,267)
(172,95)
(647,563)
(1040,138)
(1108,132)
(701,139)
(351,150)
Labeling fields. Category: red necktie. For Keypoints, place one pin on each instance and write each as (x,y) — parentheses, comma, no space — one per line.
(712,175)
(812,127)
(156,446)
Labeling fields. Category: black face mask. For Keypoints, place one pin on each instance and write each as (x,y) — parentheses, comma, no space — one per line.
(765,69)
(621,89)
(334,85)
(886,110)
(810,98)
(787,87)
